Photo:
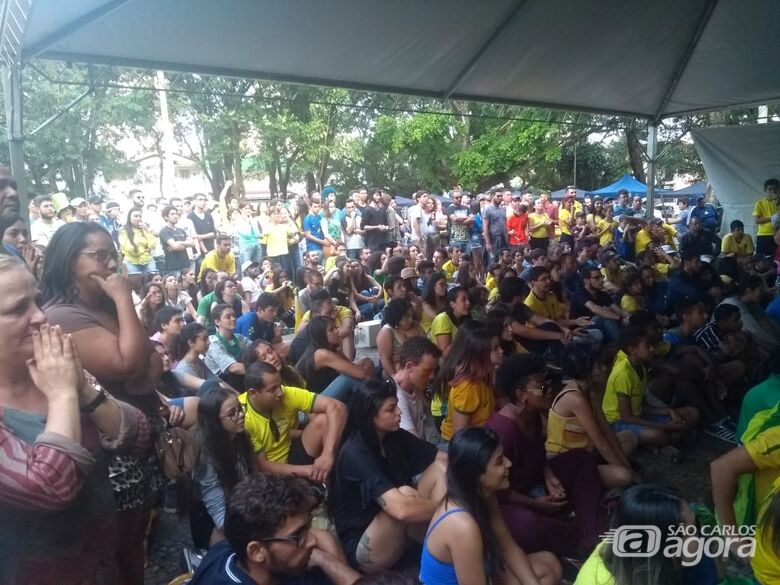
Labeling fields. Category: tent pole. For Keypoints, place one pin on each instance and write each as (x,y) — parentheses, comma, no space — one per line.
(652,146)
(12,86)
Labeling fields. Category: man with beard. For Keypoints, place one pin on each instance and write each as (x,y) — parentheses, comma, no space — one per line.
(47,223)
(269,539)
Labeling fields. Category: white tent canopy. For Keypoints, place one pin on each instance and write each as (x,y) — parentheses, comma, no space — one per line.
(648,59)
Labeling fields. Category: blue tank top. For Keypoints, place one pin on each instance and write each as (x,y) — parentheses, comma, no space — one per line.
(432,570)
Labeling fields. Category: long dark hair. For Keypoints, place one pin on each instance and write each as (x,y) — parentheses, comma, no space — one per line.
(469,453)
(469,358)
(394,312)
(452,296)
(226,455)
(148,312)
(129,227)
(58,282)
(462,277)
(494,321)
(317,332)
(367,399)
(203,283)
(429,289)
(770,523)
(645,505)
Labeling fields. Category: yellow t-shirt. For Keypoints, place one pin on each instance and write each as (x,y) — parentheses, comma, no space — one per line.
(426,321)
(629,304)
(276,240)
(594,571)
(342,313)
(442,325)
(213,260)
(765,208)
(641,241)
(469,397)
(541,230)
(669,235)
(145,242)
(730,245)
(606,238)
(449,269)
(766,562)
(276,448)
(491,283)
(623,380)
(564,215)
(549,308)
(764,452)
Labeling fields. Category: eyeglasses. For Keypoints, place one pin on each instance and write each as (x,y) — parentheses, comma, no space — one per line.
(543,389)
(102,256)
(235,413)
(298,539)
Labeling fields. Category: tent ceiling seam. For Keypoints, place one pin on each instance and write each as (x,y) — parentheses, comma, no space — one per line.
(65,31)
(686,57)
(484,48)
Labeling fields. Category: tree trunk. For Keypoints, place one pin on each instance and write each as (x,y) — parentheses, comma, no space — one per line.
(273,173)
(635,152)
(311,182)
(238,174)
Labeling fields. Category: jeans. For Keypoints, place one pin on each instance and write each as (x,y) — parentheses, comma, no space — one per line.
(499,243)
(247,252)
(150,266)
(608,327)
(341,388)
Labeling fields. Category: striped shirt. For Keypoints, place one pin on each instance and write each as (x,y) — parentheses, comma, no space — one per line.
(708,336)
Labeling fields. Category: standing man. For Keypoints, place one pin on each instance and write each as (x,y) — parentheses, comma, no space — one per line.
(765,215)
(494,227)
(706,214)
(622,207)
(137,198)
(203,223)
(312,226)
(415,214)
(375,222)
(9,198)
(352,227)
(680,222)
(43,228)
(175,242)
(460,220)
(517,224)
(80,209)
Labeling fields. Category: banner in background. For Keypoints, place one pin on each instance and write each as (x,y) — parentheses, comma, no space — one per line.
(737,161)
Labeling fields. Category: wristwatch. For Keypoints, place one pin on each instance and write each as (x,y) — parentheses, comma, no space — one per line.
(101,397)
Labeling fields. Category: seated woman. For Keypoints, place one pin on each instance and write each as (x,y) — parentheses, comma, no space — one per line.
(283,287)
(465,380)
(543,492)
(226,292)
(468,540)
(576,421)
(208,280)
(225,347)
(386,483)
(322,304)
(226,457)
(190,370)
(262,351)
(499,322)
(434,299)
(367,292)
(324,367)
(397,326)
(177,298)
(650,505)
(633,297)
(445,325)
(153,301)
(54,428)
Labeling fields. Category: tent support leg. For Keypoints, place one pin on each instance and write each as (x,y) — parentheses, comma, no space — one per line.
(12,87)
(652,147)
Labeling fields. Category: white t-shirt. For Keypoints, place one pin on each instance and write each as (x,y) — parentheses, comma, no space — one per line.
(414,213)
(250,285)
(412,412)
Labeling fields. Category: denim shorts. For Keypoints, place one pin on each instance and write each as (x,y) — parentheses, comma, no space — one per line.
(618,425)
(150,266)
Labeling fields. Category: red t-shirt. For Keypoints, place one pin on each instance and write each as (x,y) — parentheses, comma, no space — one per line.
(519,223)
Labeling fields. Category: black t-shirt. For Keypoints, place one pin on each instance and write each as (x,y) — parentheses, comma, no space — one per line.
(374,216)
(174,259)
(578,308)
(340,291)
(204,226)
(360,477)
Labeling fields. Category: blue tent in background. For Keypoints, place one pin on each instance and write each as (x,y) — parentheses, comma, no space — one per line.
(626,182)
(561,192)
(696,190)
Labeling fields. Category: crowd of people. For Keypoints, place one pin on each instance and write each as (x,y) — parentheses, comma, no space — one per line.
(202,356)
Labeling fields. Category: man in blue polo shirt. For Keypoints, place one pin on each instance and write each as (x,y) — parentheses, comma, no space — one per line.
(312,226)
(269,539)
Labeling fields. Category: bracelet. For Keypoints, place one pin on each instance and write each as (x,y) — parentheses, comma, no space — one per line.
(101,397)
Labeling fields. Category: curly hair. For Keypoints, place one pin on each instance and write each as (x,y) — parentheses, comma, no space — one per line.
(260,504)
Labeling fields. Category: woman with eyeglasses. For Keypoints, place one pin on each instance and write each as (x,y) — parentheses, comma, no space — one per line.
(467,540)
(542,493)
(226,454)
(83,292)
